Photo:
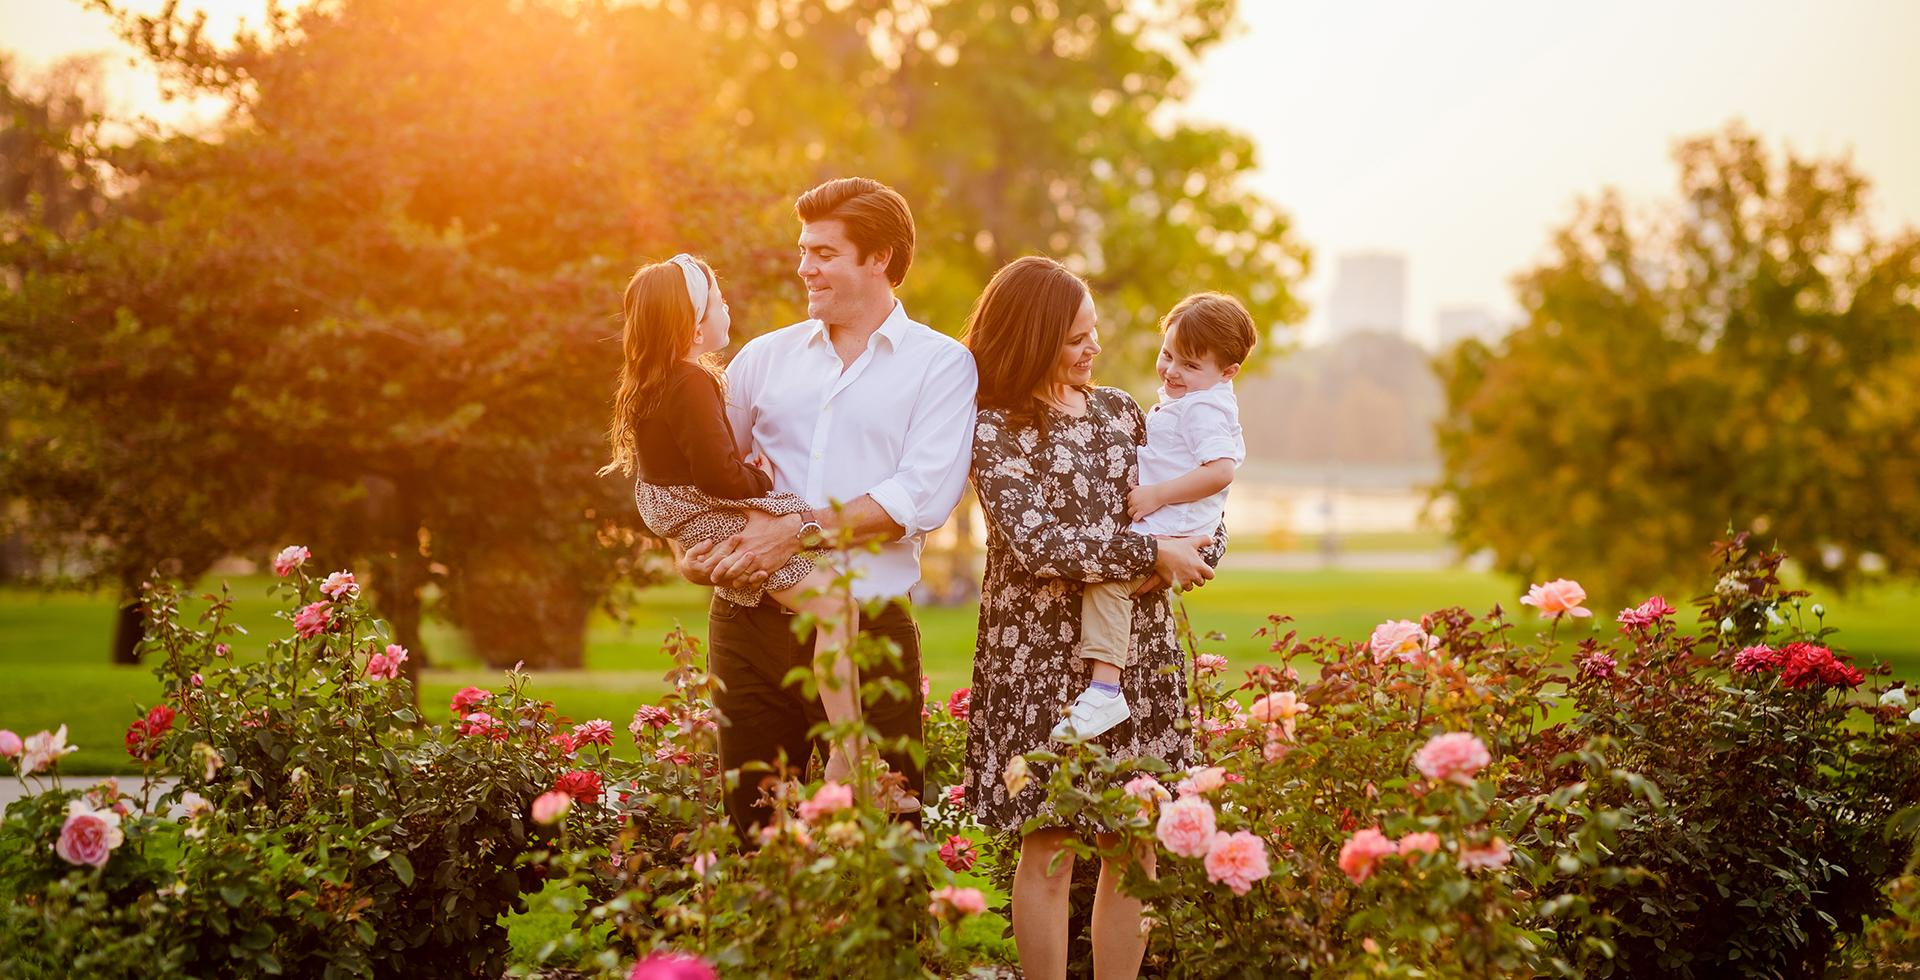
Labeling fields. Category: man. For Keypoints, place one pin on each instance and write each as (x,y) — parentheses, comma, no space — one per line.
(868,416)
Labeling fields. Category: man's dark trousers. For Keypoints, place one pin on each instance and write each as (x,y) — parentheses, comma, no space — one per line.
(752,649)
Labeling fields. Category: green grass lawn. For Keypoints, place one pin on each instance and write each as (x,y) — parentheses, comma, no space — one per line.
(53,646)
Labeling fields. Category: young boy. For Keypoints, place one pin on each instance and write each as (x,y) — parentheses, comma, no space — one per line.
(1193,446)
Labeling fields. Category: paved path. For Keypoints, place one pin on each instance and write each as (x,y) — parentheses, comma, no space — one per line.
(13,788)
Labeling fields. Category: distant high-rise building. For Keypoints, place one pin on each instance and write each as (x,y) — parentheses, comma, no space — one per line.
(1457,323)
(1369,294)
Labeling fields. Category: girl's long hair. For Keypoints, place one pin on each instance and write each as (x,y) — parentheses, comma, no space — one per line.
(660,323)
(1016,331)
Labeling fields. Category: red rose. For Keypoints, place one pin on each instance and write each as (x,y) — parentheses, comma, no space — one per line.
(582,784)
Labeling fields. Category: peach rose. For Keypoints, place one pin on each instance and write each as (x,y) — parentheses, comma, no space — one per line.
(1402,640)
(1423,842)
(1280,708)
(1558,598)
(831,797)
(1362,853)
(551,807)
(89,836)
(1496,854)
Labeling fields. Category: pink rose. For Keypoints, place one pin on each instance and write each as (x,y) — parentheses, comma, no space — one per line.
(1186,826)
(1402,640)
(677,756)
(1557,598)
(1597,665)
(1236,860)
(831,797)
(952,902)
(1645,614)
(671,966)
(10,744)
(960,703)
(1754,659)
(480,723)
(649,717)
(551,807)
(1147,790)
(89,836)
(386,666)
(468,698)
(958,853)
(340,587)
(312,620)
(957,795)
(1362,853)
(1495,854)
(701,862)
(1424,842)
(289,558)
(1454,757)
(1209,663)
(564,742)
(599,731)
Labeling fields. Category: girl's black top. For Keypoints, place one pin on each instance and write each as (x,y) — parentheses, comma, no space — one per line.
(687,441)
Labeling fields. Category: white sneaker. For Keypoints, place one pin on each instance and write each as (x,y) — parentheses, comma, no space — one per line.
(1091,714)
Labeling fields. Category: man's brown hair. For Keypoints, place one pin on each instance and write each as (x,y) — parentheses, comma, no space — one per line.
(875,215)
(1212,324)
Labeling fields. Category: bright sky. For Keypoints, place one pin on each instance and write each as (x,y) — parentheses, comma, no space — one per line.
(1457,133)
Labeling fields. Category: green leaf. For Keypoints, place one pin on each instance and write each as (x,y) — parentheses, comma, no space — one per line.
(402,868)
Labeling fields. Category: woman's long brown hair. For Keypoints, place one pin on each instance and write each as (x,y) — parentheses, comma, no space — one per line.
(1016,331)
(660,323)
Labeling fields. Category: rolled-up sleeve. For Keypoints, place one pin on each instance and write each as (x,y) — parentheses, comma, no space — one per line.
(923,491)
(1213,430)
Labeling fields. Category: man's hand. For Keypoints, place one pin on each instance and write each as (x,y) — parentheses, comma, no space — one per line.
(695,564)
(1153,583)
(757,551)
(1143,500)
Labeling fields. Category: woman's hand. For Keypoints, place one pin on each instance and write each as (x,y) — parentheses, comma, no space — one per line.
(1143,500)
(1179,562)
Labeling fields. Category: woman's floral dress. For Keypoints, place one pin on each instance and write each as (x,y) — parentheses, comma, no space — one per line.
(1056,510)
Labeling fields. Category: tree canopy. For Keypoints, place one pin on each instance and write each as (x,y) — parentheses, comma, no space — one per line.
(376,310)
(1748,356)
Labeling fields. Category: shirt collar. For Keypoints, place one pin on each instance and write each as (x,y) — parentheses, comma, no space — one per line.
(893,328)
(1225,386)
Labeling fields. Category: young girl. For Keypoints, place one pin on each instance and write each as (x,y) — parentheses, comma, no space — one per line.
(670,423)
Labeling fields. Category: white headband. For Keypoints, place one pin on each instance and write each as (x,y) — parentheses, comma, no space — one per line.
(696,278)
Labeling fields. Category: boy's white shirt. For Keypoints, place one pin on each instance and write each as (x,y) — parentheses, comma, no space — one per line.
(1183,433)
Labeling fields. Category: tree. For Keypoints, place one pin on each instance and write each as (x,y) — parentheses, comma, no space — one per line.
(374,312)
(1746,357)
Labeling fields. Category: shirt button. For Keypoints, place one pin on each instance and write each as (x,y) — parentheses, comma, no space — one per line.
(816,455)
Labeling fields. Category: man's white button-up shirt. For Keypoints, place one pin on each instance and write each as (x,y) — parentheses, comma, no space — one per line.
(896,425)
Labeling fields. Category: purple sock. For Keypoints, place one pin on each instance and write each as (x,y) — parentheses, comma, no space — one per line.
(1104,687)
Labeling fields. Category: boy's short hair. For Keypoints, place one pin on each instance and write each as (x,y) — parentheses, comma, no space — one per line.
(875,215)
(1212,324)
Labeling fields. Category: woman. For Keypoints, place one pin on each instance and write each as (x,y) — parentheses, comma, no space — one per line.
(1053,459)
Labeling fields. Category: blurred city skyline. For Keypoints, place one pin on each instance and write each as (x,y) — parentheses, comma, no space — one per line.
(1454,136)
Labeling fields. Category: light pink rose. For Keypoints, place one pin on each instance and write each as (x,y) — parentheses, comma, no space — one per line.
(42,749)
(671,966)
(599,731)
(1423,842)
(551,807)
(340,587)
(291,557)
(701,862)
(831,797)
(1455,757)
(1202,781)
(1186,826)
(953,902)
(957,795)
(649,717)
(1147,790)
(10,744)
(1362,853)
(1558,598)
(89,836)
(1495,854)
(312,620)
(1236,860)
(1209,663)
(1402,640)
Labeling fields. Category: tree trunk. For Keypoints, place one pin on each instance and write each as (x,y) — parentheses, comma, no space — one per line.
(128,627)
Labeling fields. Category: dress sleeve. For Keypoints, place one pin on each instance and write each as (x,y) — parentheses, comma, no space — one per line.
(698,419)
(1045,543)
